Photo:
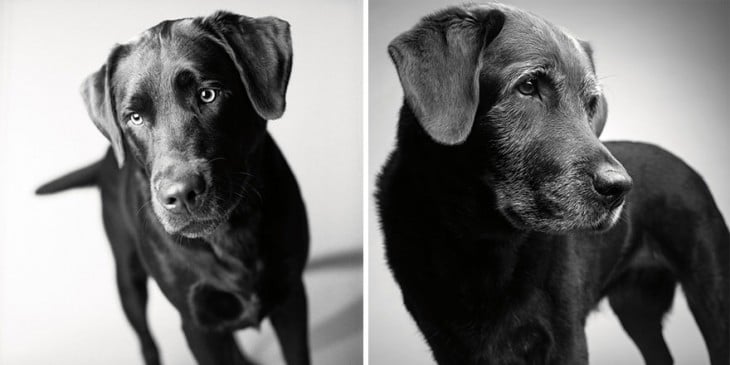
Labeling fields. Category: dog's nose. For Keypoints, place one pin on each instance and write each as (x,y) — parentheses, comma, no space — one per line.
(612,182)
(182,193)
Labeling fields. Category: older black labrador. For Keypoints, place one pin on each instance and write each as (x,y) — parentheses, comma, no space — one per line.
(506,220)
(195,192)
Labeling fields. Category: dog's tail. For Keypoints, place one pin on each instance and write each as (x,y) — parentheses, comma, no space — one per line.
(85,176)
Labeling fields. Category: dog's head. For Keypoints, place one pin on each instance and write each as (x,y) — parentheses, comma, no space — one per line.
(189,99)
(523,95)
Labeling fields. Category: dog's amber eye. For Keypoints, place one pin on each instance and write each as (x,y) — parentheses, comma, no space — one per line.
(208,95)
(528,87)
(136,119)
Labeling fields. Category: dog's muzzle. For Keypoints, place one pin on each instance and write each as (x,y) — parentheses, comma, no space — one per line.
(183,194)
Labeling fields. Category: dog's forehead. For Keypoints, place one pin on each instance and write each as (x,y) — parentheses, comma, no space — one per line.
(154,57)
(528,39)
(176,40)
(531,28)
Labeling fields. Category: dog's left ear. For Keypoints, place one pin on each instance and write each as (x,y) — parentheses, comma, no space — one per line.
(601,112)
(262,52)
(438,63)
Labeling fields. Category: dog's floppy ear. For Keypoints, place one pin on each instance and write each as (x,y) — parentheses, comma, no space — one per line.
(97,94)
(600,115)
(438,63)
(261,49)
(601,111)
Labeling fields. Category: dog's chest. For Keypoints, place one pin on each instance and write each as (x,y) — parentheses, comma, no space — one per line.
(216,279)
(238,261)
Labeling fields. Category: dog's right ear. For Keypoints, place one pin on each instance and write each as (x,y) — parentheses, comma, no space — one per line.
(97,94)
(438,63)
(599,119)
(601,107)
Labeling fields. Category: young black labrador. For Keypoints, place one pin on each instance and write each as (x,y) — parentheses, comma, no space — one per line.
(207,204)
(506,220)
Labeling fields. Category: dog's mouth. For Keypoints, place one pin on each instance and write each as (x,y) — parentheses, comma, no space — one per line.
(192,225)
(609,218)
(561,219)
(201,221)
(198,228)
(192,201)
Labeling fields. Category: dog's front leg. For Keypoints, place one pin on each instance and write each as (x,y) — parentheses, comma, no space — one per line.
(290,323)
(213,347)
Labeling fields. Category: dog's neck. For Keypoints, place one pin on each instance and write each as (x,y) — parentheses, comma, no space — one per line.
(445,187)
(451,181)
(424,151)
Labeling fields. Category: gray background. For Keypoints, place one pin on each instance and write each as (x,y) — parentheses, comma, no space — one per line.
(58,300)
(664,68)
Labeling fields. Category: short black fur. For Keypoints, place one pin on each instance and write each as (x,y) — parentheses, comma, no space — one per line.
(496,265)
(234,252)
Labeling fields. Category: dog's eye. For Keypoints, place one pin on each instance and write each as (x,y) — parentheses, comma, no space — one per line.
(208,95)
(528,87)
(592,104)
(136,119)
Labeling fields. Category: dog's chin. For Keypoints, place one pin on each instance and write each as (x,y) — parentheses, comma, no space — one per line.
(196,229)
(186,225)
(608,220)
(195,225)
(190,228)
(598,222)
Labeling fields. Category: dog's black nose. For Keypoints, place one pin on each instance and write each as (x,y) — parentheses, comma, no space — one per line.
(182,193)
(612,182)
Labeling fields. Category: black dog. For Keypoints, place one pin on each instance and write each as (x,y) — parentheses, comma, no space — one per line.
(506,220)
(195,192)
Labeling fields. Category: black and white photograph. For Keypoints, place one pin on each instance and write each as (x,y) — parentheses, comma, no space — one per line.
(505,227)
(386,182)
(182,184)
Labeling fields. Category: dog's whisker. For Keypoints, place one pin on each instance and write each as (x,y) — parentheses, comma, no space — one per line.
(216,159)
(244,173)
(254,190)
(142,206)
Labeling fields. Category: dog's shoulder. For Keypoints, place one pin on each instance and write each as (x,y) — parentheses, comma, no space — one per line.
(278,178)
(285,222)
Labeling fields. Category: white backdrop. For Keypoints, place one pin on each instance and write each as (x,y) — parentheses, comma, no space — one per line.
(663,66)
(58,300)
